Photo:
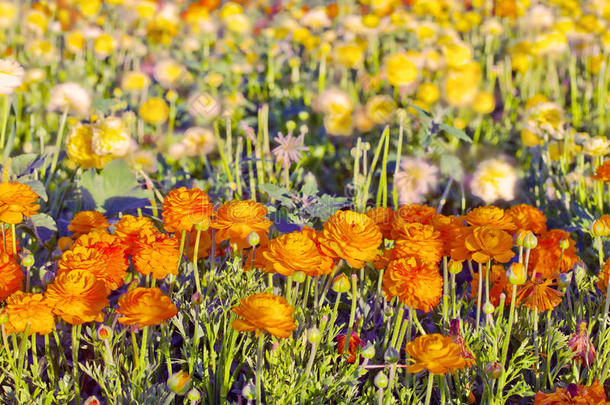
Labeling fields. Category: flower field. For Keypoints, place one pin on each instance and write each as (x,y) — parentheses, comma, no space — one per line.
(304,202)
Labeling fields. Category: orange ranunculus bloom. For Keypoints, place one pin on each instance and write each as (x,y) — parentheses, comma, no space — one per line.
(436,353)
(419,240)
(449,228)
(183,208)
(145,307)
(265,312)
(547,259)
(87,221)
(491,215)
(130,230)
(539,294)
(295,251)
(488,242)
(236,220)
(422,214)
(602,277)
(16,201)
(354,344)
(602,173)
(383,217)
(415,282)
(205,244)
(528,218)
(159,257)
(100,254)
(78,297)
(594,394)
(498,283)
(11,276)
(351,236)
(28,308)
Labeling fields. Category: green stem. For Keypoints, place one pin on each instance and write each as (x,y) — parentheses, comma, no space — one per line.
(75,347)
(195,257)
(259,368)
(352,315)
(429,388)
(60,136)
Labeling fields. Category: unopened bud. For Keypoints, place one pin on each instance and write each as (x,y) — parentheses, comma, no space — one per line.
(3,317)
(196,299)
(314,335)
(92,400)
(598,228)
(391,355)
(564,280)
(249,391)
(494,370)
(179,382)
(194,395)
(519,236)
(381,380)
(455,266)
(104,332)
(564,244)
(203,225)
(27,260)
(254,239)
(530,241)
(516,274)
(299,276)
(488,308)
(341,284)
(369,351)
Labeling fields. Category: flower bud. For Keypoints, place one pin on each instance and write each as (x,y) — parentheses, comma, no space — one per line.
(341,284)
(530,241)
(3,317)
(104,332)
(455,266)
(92,400)
(516,274)
(391,355)
(494,370)
(381,380)
(598,228)
(299,276)
(249,391)
(488,308)
(314,335)
(179,382)
(564,280)
(564,244)
(194,395)
(254,239)
(369,351)
(203,225)
(519,236)
(196,299)
(27,260)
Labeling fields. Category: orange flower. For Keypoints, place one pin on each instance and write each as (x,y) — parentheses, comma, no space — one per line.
(409,213)
(130,230)
(576,394)
(265,312)
(449,228)
(295,251)
(16,201)
(183,208)
(78,297)
(354,343)
(547,258)
(236,220)
(159,257)
(436,353)
(87,221)
(491,215)
(528,218)
(205,244)
(602,173)
(539,295)
(488,242)
(602,277)
(383,217)
(11,276)
(497,282)
(28,308)
(145,307)
(415,282)
(6,242)
(351,236)
(97,253)
(419,240)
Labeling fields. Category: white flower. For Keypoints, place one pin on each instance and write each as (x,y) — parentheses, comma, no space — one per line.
(169,73)
(72,96)
(416,178)
(110,137)
(316,18)
(198,141)
(493,180)
(11,76)
(596,146)
(144,160)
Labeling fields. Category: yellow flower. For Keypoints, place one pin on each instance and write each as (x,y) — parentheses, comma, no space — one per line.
(104,45)
(75,41)
(110,137)
(154,111)
(380,109)
(349,55)
(484,102)
(80,150)
(400,70)
(461,85)
(428,93)
(135,81)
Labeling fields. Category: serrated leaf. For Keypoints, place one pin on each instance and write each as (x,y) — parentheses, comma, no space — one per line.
(310,186)
(455,132)
(44,221)
(279,193)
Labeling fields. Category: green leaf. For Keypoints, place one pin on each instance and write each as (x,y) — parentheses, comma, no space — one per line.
(115,182)
(452,166)
(310,186)
(455,132)
(44,221)
(19,164)
(38,188)
(279,193)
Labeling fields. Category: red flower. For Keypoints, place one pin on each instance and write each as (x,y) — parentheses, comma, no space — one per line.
(354,343)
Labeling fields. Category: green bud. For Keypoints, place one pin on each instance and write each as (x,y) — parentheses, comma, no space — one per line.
(194,394)
(28,260)
(314,335)
(299,276)
(341,284)
(488,308)
(254,239)
(369,351)
(391,355)
(494,370)
(381,380)
(179,382)
(249,391)
(530,241)
(564,244)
